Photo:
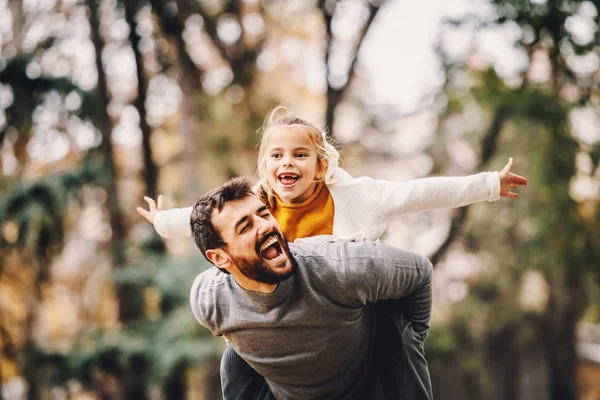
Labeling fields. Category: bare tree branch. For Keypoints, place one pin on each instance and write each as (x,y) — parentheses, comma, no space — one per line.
(210,25)
(489,146)
(241,59)
(336,95)
(173,25)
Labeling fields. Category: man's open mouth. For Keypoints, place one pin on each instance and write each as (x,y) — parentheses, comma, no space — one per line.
(288,179)
(271,248)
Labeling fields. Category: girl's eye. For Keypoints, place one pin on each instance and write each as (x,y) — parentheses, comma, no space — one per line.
(275,155)
(301,155)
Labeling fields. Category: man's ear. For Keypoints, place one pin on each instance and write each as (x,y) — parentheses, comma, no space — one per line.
(219,258)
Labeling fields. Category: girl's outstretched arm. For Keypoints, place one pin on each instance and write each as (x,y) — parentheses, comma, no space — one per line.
(390,198)
(173,223)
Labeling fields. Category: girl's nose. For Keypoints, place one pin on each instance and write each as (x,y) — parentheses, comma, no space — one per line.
(288,162)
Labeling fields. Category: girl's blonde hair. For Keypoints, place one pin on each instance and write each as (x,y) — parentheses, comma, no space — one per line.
(278,117)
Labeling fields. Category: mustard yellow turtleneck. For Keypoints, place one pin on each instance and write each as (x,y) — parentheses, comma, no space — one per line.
(312,217)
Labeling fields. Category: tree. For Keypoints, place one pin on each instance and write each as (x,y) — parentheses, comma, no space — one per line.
(557,232)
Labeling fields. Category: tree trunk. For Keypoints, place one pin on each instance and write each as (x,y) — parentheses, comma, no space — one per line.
(504,360)
(130,305)
(30,368)
(190,83)
(129,296)
(565,307)
(150,172)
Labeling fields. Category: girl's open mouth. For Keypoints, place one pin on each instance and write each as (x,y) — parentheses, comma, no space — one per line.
(288,179)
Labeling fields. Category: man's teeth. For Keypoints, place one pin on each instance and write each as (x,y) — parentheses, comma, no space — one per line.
(268,243)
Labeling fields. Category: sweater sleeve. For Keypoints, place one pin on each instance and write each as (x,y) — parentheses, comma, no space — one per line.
(173,223)
(372,271)
(202,301)
(431,193)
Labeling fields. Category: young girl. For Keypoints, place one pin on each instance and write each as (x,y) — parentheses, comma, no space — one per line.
(299,179)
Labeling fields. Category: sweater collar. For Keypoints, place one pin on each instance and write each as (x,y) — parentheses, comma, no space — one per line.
(276,297)
(306,202)
(272,299)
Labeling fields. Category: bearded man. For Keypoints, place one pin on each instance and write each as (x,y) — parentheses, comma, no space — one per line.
(311,319)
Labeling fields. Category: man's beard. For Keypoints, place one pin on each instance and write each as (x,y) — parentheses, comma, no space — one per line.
(259,270)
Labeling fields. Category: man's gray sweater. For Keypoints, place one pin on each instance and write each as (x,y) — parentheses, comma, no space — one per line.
(313,336)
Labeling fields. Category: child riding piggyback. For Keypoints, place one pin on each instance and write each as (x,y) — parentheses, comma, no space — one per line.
(310,195)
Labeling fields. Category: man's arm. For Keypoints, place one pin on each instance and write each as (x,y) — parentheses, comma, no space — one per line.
(372,271)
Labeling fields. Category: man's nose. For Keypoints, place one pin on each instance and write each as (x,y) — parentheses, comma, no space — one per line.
(263,226)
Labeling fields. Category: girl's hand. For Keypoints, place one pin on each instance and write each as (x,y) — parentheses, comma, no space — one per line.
(508,180)
(153,208)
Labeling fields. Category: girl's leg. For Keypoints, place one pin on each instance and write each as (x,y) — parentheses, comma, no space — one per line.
(239,381)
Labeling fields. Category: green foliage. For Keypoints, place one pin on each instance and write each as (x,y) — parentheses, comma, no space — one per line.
(161,344)
(173,279)
(38,210)
(154,347)
(30,92)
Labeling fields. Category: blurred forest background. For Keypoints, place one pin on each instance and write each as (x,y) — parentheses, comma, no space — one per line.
(105,101)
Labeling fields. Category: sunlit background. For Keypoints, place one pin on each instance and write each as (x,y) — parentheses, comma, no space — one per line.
(103,102)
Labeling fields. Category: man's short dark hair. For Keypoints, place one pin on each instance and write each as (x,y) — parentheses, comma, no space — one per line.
(204,233)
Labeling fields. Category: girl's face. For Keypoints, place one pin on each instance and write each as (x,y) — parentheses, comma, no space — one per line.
(292,164)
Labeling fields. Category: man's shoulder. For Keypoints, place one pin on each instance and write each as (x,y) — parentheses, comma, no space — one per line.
(206,289)
(356,251)
(209,280)
(336,249)
(324,246)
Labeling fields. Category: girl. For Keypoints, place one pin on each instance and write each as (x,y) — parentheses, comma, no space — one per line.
(300,180)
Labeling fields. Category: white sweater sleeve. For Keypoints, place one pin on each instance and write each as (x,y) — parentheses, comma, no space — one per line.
(431,193)
(173,223)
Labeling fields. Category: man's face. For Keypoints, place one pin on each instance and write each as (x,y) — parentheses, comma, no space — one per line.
(255,244)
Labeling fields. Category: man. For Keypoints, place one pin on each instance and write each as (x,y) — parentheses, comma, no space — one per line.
(304,315)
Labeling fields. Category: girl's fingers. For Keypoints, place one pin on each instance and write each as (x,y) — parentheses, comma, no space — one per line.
(144,213)
(518,179)
(508,166)
(151,203)
(160,202)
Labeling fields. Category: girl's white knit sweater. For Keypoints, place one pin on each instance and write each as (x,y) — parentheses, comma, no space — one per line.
(362,206)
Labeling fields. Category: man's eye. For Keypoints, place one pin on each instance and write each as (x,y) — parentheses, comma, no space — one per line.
(265,215)
(244,228)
